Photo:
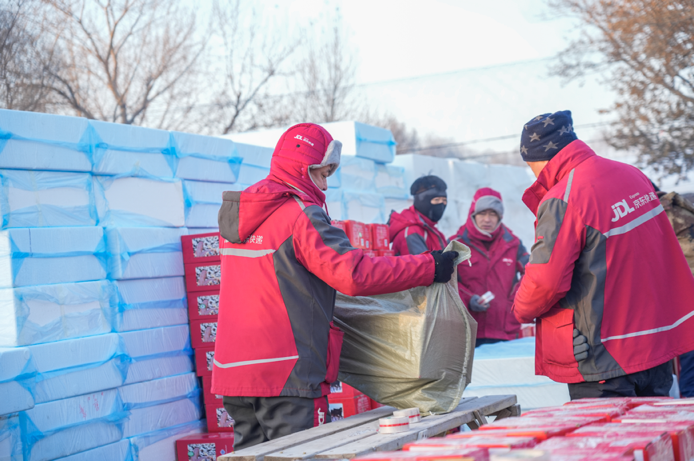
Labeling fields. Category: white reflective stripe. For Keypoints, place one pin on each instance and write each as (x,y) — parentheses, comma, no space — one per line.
(253,362)
(635,223)
(245,253)
(652,331)
(298,200)
(568,185)
(407,231)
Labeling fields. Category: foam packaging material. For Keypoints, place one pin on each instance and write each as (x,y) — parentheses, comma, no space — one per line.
(364,207)
(160,445)
(358,174)
(46,199)
(148,303)
(334,202)
(144,252)
(205,158)
(38,256)
(43,313)
(34,141)
(73,439)
(15,363)
(159,391)
(10,438)
(156,341)
(126,201)
(256,162)
(390,182)
(167,364)
(152,418)
(203,200)
(362,140)
(16,396)
(118,451)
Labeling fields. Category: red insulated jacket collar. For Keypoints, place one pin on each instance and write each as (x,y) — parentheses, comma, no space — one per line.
(566,160)
(408,217)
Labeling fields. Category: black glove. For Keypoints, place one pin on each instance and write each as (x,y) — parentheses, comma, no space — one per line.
(476,305)
(444,265)
(580,346)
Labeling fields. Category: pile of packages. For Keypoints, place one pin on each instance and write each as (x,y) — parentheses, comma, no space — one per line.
(617,429)
(95,348)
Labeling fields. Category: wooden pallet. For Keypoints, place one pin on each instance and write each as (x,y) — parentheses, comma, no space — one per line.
(358,435)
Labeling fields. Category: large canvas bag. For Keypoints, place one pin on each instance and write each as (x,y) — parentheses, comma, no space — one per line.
(409,349)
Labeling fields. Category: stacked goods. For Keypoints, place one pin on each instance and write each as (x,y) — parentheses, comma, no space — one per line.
(203,278)
(345,401)
(618,429)
(95,349)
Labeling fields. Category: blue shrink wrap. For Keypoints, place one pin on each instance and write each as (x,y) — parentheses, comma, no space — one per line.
(158,391)
(156,341)
(10,438)
(168,364)
(364,207)
(51,255)
(362,140)
(16,367)
(161,445)
(147,419)
(334,202)
(119,451)
(148,303)
(203,200)
(205,158)
(144,252)
(390,182)
(358,174)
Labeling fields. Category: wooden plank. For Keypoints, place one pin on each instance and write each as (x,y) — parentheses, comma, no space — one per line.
(258,452)
(428,427)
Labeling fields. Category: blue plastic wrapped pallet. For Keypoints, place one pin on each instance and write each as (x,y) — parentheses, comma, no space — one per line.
(390,181)
(156,341)
(205,158)
(16,368)
(362,140)
(256,163)
(158,366)
(144,252)
(118,451)
(148,303)
(203,200)
(364,207)
(161,444)
(44,313)
(10,438)
(358,174)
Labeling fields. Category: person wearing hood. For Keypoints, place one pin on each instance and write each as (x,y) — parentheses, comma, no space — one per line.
(607,280)
(277,351)
(498,259)
(413,231)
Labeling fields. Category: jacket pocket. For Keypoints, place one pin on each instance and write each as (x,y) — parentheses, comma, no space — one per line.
(334,348)
(228,216)
(557,336)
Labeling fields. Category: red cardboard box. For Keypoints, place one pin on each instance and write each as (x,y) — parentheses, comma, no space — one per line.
(204,447)
(358,235)
(646,448)
(340,390)
(203,304)
(540,433)
(466,454)
(200,247)
(340,225)
(370,253)
(607,413)
(341,408)
(527,331)
(203,361)
(203,276)
(479,442)
(218,420)
(630,402)
(380,236)
(385,253)
(208,397)
(375,404)
(203,332)
(522,423)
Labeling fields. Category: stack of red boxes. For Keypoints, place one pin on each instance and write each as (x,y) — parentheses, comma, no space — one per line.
(372,238)
(203,278)
(345,401)
(204,447)
(380,236)
(618,429)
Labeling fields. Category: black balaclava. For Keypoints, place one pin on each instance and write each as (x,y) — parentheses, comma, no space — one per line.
(424,189)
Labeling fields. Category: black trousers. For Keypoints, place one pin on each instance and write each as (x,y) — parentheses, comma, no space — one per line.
(259,419)
(653,382)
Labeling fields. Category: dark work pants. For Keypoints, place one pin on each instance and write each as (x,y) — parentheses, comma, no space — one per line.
(653,382)
(481,341)
(687,374)
(259,419)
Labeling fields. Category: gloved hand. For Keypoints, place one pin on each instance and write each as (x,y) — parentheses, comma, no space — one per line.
(444,265)
(476,305)
(580,346)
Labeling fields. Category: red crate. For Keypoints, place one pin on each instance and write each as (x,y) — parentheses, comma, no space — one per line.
(340,390)
(358,234)
(203,276)
(203,304)
(380,236)
(539,432)
(200,247)
(341,408)
(208,397)
(218,420)
(385,253)
(203,361)
(204,446)
(203,333)
(480,441)
(340,225)
(527,330)
(370,253)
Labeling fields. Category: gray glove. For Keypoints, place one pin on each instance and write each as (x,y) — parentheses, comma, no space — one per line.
(476,305)
(580,346)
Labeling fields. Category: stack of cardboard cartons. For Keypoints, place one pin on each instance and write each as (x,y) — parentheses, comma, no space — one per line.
(345,401)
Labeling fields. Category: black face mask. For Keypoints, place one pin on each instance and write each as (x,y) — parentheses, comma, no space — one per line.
(422,203)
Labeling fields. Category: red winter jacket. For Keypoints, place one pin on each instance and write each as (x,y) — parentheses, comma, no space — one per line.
(412,233)
(607,262)
(281,264)
(495,269)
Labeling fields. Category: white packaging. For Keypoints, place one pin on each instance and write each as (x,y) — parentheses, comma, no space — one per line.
(362,140)
(393,425)
(144,252)
(148,419)
(159,390)
(155,341)
(411,413)
(358,174)
(148,303)
(148,368)
(118,451)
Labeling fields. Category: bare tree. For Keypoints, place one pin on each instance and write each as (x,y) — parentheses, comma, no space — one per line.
(645,48)
(24,59)
(125,61)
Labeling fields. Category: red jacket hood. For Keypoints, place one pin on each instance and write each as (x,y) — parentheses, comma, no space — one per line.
(474,231)
(407,217)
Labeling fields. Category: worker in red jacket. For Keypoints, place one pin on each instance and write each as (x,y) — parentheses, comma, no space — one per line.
(276,351)
(498,260)
(413,231)
(607,280)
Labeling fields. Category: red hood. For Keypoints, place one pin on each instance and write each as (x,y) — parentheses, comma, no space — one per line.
(406,218)
(474,231)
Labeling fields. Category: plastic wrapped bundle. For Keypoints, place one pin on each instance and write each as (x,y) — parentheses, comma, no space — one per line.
(161,444)
(34,141)
(420,165)
(333,200)
(156,341)
(335,179)
(169,364)
(390,182)
(47,199)
(205,158)
(203,200)
(44,313)
(125,201)
(16,368)
(119,451)
(148,419)
(159,391)
(409,349)
(358,174)
(10,438)
(51,255)
(148,303)
(256,163)
(144,252)
(364,207)
(362,140)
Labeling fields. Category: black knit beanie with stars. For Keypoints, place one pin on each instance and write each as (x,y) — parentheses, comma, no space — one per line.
(545,135)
